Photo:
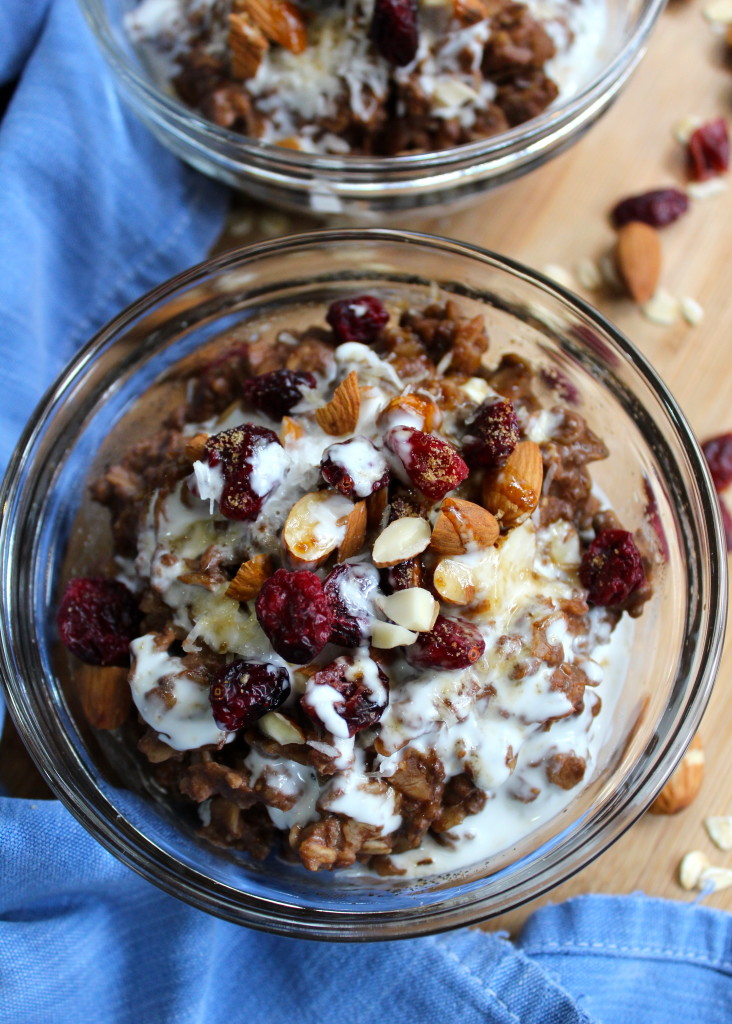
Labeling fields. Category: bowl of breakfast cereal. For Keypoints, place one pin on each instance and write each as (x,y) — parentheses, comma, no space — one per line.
(337,570)
(369,106)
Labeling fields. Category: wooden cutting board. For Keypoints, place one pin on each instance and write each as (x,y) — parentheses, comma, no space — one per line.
(558,215)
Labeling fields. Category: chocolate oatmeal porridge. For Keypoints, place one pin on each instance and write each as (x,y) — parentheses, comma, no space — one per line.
(371,77)
(372,611)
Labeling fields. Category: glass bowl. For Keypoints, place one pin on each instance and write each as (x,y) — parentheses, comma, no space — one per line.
(361,187)
(655,477)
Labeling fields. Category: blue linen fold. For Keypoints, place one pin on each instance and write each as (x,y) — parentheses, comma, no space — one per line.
(93,212)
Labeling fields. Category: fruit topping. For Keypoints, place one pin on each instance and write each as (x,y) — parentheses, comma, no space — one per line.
(278,392)
(347,696)
(350,590)
(611,568)
(293,611)
(658,208)
(97,619)
(708,150)
(492,434)
(250,461)
(395,30)
(357,319)
(356,467)
(452,643)
(432,465)
(244,691)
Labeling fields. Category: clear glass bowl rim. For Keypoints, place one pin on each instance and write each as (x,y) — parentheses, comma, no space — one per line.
(492,150)
(78,791)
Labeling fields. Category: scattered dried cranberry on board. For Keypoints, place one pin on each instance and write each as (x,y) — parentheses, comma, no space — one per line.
(364,688)
(278,392)
(97,619)
(658,208)
(492,434)
(611,568)
(718,453)
(708,150)
(244,691)
(359,318)
(395,30)
(432,465)
(242,453)
(293,611)
(452,643)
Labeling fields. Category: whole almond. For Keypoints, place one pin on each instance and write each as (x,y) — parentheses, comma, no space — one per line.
(423,407)
(453,581)
(105,695)
(512,492)
(315,526)
(250,578)
(375,505)
(355,534)
(290,431)
(638,259)
(340,415)
(683,786)
(195,447)
(247,44)
(281,22)
(462,524)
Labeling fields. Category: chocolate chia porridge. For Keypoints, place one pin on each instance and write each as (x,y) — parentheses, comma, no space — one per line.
(374,611)
(373,77)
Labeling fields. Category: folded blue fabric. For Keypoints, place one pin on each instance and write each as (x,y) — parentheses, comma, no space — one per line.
(93,213)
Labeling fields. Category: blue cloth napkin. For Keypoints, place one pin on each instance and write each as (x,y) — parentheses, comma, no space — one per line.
(92,213)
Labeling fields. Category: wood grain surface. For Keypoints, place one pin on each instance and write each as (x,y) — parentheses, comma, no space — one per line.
(558,215)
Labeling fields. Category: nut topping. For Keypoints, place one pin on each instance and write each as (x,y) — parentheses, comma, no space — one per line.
(340,415)
(355,534)
(512,493)
(247,44)
(316,525)
(402,539)
(195,447)
(415,609)
(461,524)
(638,258)
(683,786)
(250,577)
(281,22)
(453,581)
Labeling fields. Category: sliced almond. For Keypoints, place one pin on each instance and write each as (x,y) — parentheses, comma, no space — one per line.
(453,581)
(250,578)
(387,635)
(290,431)
(375,505)
(719,828)
(315,527)
(355,534)
(340,415)
(691,868)
(404,538)
(415,609)
(462,524)
(247,45)
(195,447)
(406,408)
(281,22)
(638,258)
(280,728)
(715,878)
(512,492)
(105,695)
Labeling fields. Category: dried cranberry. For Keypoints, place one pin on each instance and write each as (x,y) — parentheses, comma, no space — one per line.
(452,643)
(558,381)
(492,434)
(394,30)
(708,150)
(253,463)
(276,393)
(293,611)
(356,467)
(718,453)
(245,690)
(658,208)
(431,464)
(611,568)
(357,319)
(363,687)
(97,619)
(350,590)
